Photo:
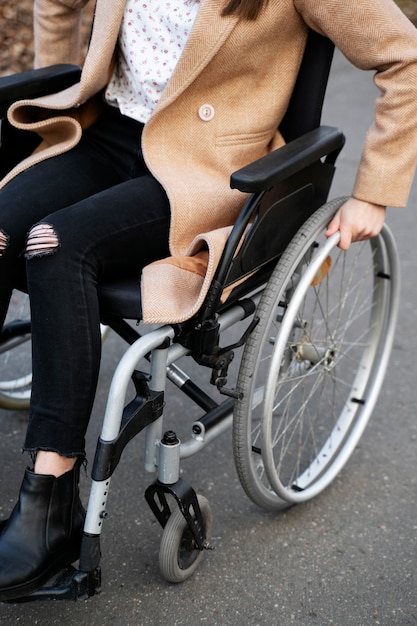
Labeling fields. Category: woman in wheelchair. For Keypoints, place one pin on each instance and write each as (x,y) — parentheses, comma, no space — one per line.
(132,171)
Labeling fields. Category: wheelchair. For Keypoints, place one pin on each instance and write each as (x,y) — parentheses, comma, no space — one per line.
(318,327)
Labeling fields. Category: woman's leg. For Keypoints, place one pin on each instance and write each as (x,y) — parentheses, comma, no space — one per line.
(106,156)
(104,234)
(114,233)
(108,234)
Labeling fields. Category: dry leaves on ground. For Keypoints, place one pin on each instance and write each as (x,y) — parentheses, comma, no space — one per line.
(16,28)
(16,52)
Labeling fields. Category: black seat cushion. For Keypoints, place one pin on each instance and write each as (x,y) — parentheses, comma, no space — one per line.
(120,297)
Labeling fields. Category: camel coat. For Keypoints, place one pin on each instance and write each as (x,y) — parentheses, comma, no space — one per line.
(245,72)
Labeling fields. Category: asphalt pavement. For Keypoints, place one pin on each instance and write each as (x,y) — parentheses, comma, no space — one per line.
(347,558)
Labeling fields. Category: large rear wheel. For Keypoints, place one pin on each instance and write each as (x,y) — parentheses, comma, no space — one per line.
(312,369)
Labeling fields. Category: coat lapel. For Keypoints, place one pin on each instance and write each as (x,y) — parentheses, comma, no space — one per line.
(208,34)
(107,19)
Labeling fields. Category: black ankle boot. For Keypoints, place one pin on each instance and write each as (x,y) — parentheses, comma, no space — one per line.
(43,533)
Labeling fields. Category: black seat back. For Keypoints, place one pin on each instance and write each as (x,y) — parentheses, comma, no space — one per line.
(306,104)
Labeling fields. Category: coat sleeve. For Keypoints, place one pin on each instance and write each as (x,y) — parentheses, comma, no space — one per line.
(376,35)
(57,31)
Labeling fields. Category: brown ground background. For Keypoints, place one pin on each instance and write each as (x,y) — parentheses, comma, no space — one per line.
(16,41)
(16,50)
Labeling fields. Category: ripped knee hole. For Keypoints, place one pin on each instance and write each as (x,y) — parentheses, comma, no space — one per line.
(4,242)
(42,239)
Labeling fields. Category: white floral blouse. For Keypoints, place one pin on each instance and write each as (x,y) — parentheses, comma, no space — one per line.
(152,37)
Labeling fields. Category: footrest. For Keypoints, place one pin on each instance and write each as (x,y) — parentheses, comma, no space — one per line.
(71,584)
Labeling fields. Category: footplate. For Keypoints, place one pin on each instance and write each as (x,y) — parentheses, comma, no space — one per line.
(71,584)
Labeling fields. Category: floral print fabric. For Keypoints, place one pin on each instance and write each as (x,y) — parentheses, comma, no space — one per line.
(152,37)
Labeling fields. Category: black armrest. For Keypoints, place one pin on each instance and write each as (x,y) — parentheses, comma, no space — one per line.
(36,83)
(278,165)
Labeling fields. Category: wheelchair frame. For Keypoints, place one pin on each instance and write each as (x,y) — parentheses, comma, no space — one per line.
(281,225)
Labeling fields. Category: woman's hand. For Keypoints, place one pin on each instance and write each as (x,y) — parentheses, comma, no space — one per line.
(357,220)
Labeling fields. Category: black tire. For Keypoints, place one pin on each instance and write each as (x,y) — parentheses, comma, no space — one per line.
(178,555)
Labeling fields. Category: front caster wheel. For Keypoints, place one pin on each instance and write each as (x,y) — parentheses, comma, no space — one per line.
(179,556)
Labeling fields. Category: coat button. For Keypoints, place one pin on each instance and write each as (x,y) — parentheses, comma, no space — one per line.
(206,112)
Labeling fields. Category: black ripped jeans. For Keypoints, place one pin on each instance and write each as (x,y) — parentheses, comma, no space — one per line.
(110,217)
